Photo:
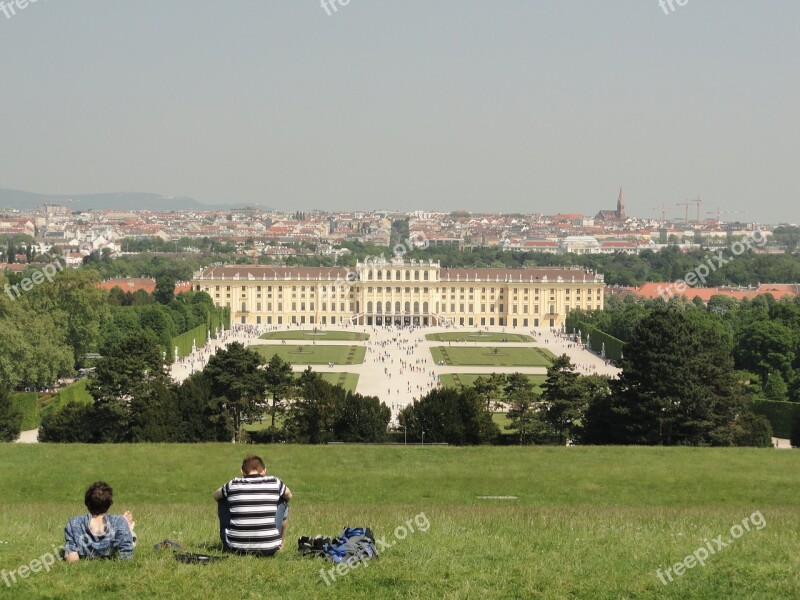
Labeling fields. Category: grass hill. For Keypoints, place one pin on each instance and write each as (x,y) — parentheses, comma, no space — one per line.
(503,522)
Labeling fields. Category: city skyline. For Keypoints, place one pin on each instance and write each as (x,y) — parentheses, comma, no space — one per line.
(467,106)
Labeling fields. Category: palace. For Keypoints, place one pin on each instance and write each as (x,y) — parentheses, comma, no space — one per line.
(399,292)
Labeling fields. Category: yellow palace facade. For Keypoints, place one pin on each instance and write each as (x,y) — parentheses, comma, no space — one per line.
(399,292)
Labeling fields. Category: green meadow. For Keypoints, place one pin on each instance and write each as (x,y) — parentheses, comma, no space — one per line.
(569,522)
(338,354)
(492,356)
(477,336)
(468,379)
(310,334)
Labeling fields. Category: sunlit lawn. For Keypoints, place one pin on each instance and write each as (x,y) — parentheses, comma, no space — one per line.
(314,355)
(492,356)
(320,335)
(576,522)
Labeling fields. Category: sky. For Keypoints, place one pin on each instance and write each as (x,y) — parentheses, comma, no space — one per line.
(494,106)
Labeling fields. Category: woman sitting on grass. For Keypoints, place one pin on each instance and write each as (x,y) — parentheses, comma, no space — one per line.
(97,534)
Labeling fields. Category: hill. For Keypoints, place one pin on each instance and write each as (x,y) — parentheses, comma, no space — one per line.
(501,522)
(26,201)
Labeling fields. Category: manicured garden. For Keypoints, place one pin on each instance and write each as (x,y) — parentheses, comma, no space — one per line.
(477,336)
(323,335)
(492,356)
(302,354)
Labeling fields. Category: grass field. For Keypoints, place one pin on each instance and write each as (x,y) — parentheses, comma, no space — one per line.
(324,335)
(349,381)
(593,523)
(477,336)
(492,356)
(314,355)
(467,379)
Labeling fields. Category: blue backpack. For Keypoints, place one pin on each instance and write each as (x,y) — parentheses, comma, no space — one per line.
(353,544)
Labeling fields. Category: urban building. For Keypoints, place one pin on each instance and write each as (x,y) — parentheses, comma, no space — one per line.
(382,292)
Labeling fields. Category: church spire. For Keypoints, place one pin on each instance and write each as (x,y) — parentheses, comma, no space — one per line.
(621,205)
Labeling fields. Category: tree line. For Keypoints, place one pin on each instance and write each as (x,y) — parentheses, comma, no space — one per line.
(134,400)
(761,334)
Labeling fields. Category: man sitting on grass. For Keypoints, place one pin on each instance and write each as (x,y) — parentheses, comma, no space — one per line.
(97,534)
(253,511)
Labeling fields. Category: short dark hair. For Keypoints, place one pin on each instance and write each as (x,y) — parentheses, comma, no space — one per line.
(252,463)
(98,498)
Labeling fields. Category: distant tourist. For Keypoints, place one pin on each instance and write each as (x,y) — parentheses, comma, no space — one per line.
(253,511)
(98,534)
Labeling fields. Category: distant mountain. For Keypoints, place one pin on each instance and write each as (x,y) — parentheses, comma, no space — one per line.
(16,199)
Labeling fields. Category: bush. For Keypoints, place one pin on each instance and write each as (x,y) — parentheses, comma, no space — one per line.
(10,418)
(71,423)
(753,430)
(781,415)
(795,437)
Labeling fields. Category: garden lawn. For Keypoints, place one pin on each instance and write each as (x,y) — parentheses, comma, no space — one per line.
(349,381)
(587,523)
(468,379)
(492,356)
(314,355)
(321,335)
(477,336)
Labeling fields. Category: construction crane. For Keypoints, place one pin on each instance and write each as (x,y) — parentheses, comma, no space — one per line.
(698,202)
(663,209)
(685,206)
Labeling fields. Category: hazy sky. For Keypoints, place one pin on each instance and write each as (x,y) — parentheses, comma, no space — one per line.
(514,106)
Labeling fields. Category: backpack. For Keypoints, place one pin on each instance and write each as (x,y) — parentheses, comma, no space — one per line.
(353,544)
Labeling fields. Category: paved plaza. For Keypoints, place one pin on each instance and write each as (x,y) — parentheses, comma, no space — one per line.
(398,366)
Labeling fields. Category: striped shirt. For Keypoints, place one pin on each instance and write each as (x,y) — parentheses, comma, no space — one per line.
(253,502)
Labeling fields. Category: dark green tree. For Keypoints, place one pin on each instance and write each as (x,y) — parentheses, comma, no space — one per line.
(237,381)
(794,439)
(129,369)
(280,384)
(490,388)
(525,418)
(457,417)
(677,385)
(564,398)
(165,289)
(10,418)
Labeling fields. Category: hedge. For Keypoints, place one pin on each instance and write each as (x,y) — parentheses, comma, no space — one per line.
(73,393)
(781,415)
(28,404)
(597,338)
(199,334)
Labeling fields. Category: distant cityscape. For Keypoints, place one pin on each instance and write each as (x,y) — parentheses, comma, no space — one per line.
(259,232)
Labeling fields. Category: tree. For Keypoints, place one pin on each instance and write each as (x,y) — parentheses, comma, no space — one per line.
(202,418)
(361,419)
(524,416)
(489,388)
(765,346)
(77,305)
(237,381)
(10,418)
(279,382)
(776,388)
(677,385)
(457,417)
(34,347)
(128,370)
(311,417)
(564,397)
(165,289)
